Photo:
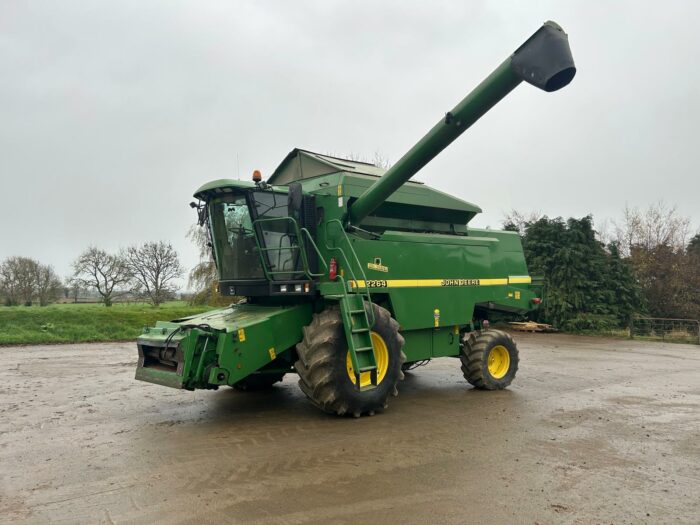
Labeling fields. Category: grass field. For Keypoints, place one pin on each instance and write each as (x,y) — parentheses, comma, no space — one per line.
(71,323)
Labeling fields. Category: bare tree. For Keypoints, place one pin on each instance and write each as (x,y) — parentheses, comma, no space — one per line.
(155,267)
(655,242)
(381,161)
(74,288)
(47,284)
(658,225)
(104,272)
(605,233)
(378,159)
(203,277)
(17,280)
(517,221)
(8,284)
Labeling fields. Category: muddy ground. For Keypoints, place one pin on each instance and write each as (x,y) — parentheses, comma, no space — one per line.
(592,431)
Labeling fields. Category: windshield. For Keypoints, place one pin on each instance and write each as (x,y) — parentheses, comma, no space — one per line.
(234,239)
(233,234)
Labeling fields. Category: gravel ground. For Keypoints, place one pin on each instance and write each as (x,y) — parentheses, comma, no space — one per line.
(592,431)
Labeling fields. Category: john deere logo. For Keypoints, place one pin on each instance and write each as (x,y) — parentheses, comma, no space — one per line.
(377,265)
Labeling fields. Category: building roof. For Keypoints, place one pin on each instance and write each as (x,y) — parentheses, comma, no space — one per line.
(302,164)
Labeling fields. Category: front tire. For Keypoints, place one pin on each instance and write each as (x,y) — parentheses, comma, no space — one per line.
(325,375)
(489,359)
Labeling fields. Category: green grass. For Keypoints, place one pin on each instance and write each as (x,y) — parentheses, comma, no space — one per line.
(74,323)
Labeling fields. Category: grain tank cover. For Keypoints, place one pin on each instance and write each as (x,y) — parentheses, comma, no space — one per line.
(413,202)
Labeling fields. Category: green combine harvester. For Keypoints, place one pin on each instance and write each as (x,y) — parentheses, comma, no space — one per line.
(350,274)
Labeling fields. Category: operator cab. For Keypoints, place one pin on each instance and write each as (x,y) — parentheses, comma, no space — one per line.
(255,236)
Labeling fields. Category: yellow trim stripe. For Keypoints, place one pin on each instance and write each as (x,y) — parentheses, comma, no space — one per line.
(442,283)
(493,282)
(520,279)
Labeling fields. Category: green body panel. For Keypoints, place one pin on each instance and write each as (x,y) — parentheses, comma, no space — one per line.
(160,377)
(433,283)
(224,346)
(400,244)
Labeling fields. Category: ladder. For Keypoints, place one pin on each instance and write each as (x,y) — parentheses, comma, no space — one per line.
(357,332)
(357,321)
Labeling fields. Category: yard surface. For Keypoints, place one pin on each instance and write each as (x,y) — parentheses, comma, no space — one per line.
(593,430)
(61,323)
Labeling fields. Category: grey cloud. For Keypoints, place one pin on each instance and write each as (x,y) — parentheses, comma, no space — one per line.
(113,113)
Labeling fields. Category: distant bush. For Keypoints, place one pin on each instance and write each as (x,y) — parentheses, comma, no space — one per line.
(588,286)
(583,322)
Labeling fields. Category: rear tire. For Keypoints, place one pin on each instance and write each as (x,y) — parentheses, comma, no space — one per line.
(323,366)
(489,359)
(258,382)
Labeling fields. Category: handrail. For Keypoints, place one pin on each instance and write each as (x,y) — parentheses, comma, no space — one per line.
(318,252)
(349,266)
(298,231)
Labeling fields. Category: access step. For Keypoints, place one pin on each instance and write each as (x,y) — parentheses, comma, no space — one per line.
(357,332)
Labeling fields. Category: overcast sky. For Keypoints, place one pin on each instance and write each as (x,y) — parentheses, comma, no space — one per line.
(113,113)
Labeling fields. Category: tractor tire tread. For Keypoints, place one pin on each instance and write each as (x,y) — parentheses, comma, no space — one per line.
(318,358)
(473,359)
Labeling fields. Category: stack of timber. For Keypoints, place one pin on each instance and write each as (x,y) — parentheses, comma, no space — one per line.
(531,326)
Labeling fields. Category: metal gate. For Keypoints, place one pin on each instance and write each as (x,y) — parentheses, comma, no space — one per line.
(676,330)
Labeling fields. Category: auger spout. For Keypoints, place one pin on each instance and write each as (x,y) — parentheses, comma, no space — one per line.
(544,61)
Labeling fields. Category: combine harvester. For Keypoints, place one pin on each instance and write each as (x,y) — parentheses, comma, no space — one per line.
(351,273)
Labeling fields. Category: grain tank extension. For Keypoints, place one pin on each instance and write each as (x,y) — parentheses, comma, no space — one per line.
(350,274)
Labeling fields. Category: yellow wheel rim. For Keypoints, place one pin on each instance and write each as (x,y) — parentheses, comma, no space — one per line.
(498,361)
(381,355)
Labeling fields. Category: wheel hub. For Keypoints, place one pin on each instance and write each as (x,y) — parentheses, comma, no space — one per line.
(498,361)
